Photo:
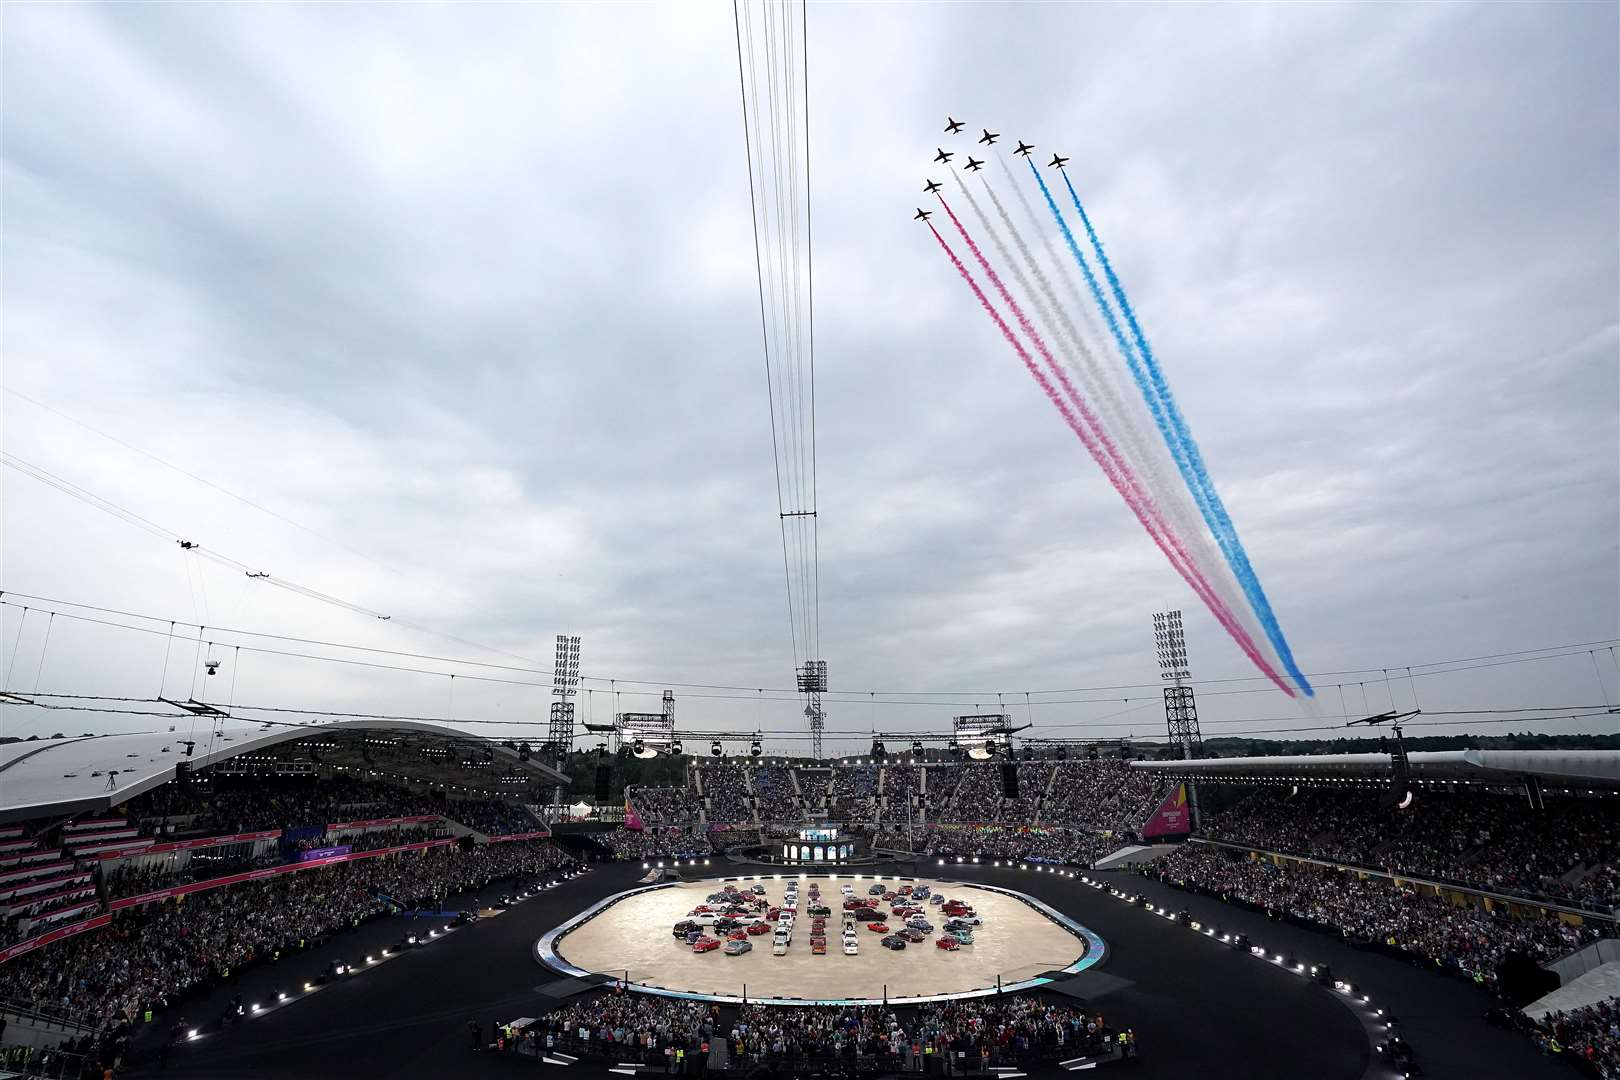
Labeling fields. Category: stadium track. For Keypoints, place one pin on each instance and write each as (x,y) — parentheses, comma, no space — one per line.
(1198,1008)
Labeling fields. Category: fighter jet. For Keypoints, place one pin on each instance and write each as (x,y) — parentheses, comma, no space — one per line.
(952,126)
(943,155)
(989,137)
(974,165)
(921,215)
(1024,148)
(931,187)
(1056,162)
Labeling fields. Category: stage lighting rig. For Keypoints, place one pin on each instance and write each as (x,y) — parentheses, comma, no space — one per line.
(716,749)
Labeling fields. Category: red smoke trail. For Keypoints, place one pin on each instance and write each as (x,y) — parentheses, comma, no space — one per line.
(1127,488)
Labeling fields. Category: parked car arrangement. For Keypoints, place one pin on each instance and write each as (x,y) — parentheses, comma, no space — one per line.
(733,915)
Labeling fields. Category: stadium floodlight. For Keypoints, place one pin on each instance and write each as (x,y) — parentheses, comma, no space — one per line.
(755,748)
(675,748)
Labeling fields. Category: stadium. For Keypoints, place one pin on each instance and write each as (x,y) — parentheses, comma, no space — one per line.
(1188,452)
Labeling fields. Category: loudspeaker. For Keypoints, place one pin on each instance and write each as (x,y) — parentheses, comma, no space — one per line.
(604,782)
(1009,780)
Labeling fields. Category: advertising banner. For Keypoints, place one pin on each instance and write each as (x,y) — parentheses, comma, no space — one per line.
(538,834)
(258,875)
(324,852)
(632,820)
(31,944)
(382,823)
(1172,818)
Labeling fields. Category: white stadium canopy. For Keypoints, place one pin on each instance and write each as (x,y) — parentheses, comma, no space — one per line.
(1500,768)
(50,777)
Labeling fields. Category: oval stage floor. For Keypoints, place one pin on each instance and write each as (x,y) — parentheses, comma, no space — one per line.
(629,936)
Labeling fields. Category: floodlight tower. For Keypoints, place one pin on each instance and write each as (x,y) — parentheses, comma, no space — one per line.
(812,684)
(1180,707)
(564,687)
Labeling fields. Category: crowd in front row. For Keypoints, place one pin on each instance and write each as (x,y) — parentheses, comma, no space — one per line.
(976,1034)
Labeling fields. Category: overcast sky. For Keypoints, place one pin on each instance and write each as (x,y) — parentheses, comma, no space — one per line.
(468,292)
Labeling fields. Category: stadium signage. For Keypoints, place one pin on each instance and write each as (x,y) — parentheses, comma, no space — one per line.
(189,845)
(24,947)
(381,823)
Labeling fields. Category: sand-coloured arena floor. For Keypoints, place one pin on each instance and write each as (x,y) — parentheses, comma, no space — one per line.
(1015,942)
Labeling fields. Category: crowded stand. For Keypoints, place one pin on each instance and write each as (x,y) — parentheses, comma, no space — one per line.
(1467,940)
(1590,1035)
(974,1035)
(813,787)
(725,794)
(662,842)
(1073,847)
(272,803)
(1103,793)
(663,805)
(901,784)
(852,792)
(492,817)
(152,954)
(977,795)
(774,794)
(1486,841)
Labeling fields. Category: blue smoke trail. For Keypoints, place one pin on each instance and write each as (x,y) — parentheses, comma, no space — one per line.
(1189,460)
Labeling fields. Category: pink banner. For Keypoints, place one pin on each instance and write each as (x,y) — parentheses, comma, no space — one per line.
(1172,818)
(538,834)
(382,823)
(632,820)
(31,944)
(259,875)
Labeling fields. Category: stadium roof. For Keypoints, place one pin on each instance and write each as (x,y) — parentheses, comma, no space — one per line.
(55,777)
(1584,768)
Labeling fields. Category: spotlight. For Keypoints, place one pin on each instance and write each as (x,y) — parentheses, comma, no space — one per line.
(257,1006)
(192,1034)
(879,752)
(754,748)
(281,995)
(981,752)
(917,747)
(716,749)
(675,748)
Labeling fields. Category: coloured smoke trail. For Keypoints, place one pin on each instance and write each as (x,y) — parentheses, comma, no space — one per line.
(1177,557)
(1187,521)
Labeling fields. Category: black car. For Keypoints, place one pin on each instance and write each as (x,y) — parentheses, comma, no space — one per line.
(683,927)
(895,942)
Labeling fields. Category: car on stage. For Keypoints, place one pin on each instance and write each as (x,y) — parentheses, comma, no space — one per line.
(900,911)
(817,925)
(913,935)
(921,892)
(819,909)
(956,907)
(852,946)
(854,904)
(875,890)
(818,946)
(889,897)
(961,937)
(920,923)
(962,924)
(737,935)
(684,927)
(772,913)
(758,928)
(758,890)
(936,899)
(878,927)
(904,890)
(948,943)
(895,942)
(738,947)
(726,923)
(779,947)
(705,944)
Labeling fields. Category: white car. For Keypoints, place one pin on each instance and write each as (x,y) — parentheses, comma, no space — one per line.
(780,947)
(852,946)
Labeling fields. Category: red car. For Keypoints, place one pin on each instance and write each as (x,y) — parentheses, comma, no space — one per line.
(759,928)
(888,897)
(737,935)
(700,909)
(956,907)
(878,928)
(817,925)
(904,890)
(818,946)
(772,914)
(902,910)
(853,904)
(948,943)
(705,944)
